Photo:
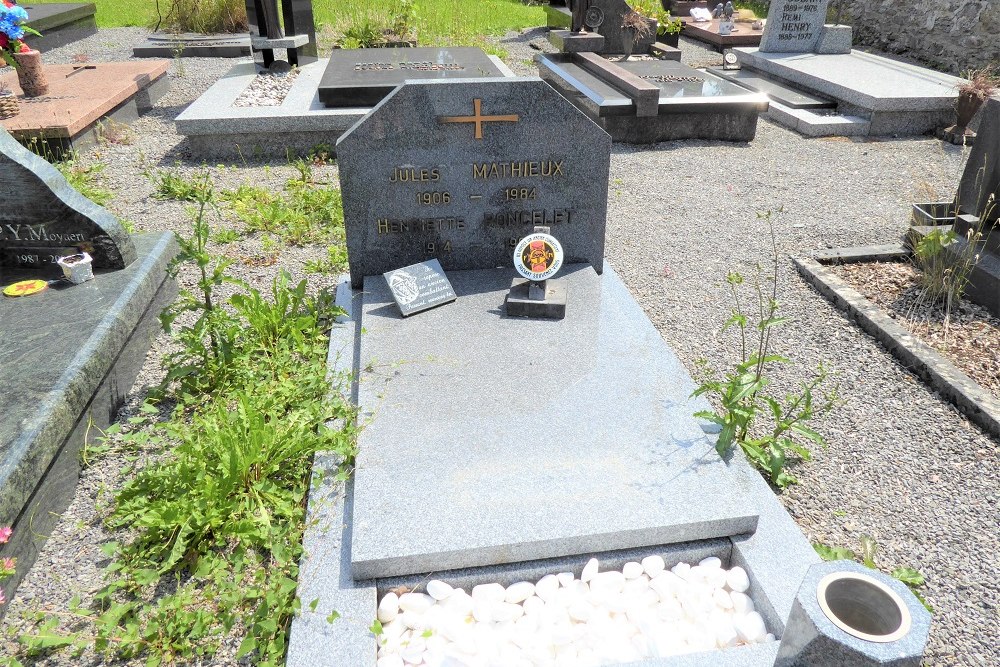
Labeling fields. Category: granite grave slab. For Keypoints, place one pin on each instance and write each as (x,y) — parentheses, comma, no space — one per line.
(216,129)
(543,439)
(690,104)
(744,34)
(461,170)
(874,95)
(43,217)
(60,23)
(981,178)
(363,77)
(81,97)
(70,352)
(193,45)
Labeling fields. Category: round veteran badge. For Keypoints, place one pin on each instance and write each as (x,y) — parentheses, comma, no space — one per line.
(538,256)
(25,288)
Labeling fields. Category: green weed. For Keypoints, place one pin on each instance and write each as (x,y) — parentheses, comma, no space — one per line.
(745,404)
(908,575)
(172,185)
(215,522)
(84,179)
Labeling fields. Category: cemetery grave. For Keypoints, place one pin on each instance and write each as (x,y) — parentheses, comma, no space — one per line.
(512,489)
(873,95)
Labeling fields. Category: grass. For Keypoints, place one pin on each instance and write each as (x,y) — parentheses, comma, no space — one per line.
(439,22)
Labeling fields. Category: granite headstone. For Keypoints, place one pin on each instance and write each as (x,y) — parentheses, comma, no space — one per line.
(419,287)
(981,178)
(794,26)
(611,14)
(363,77)
(462,170)
(43,218)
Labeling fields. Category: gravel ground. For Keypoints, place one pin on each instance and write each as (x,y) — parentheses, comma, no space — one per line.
(902,466)
(971,338)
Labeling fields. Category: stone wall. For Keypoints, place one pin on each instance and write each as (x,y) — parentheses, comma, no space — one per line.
(951,35)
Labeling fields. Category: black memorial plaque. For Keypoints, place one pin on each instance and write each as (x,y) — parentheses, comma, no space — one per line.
(363,77)
(419,287)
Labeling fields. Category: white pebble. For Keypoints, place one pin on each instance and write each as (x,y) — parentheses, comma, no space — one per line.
(566,579)
(711,561)
(388,608)
(682,570)
(737,580)
(391,660)
(742,604)
(438,589)
(653,565)
(581,611)
(610,581)
(415,602)
(546,587)
(519,592)
(489,592)
(750,627)
(632,570)
(589,570)
(722,599)
(533,605)
(506,611)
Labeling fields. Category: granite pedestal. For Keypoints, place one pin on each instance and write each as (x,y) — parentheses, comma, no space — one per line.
(69,358)
(689,104)
(874,96)
(542,444)
(60,23)
(82,100)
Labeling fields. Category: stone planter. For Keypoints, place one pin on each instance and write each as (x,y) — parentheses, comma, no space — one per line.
(932,214)
(31,73)
(670,39)
(9,105)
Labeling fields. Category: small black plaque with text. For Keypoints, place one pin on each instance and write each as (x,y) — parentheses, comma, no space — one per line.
(419,287)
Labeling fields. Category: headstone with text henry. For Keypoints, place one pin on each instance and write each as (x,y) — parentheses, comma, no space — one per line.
(794,26)
(462,170)
(42,217)
(363,77)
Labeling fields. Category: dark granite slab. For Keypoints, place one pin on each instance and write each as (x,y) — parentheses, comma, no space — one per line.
(462,170)
(708,32)
(191,45)
(60,23)
(363,77)
(69,357)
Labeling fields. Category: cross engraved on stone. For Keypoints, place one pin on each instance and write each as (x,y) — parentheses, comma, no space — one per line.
(479,119)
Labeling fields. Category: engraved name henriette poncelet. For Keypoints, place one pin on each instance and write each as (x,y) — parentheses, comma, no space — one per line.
(460,171)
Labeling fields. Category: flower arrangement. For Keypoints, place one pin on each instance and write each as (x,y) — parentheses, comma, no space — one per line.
(13,29)
(6,564)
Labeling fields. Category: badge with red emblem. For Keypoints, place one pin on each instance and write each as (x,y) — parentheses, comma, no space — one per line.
(538,256)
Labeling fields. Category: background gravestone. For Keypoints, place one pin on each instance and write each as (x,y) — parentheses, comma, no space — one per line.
(461,170)
(43,217)
(981,177)
(794,26)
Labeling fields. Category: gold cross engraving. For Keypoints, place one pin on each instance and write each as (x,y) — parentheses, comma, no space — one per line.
(479,118)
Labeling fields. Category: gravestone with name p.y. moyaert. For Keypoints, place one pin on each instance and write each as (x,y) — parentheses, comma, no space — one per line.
(462,170)
(43,218)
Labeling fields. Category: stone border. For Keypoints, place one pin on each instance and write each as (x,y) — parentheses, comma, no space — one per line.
(967,395)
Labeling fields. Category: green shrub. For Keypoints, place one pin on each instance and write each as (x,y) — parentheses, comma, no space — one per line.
(205,16)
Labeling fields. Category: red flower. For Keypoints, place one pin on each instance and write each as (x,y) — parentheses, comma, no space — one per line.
(8,3)
(4,42)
